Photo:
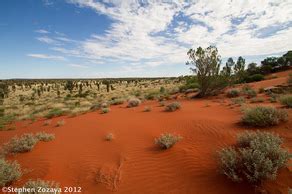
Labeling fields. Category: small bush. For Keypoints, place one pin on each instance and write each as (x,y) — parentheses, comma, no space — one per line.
(249,92)
(47,122)
(9,172)
(147,109)
(256,100)
(42,136)
(167,140)
(25,143)
(257,156)
(261,90)
(255,78)
(238,100)
(104,105)
(286,100)
(95,107)
(117,101)
(133,102)
(233,93)
(54,113)
(109,137)
(263,116)
(172,107)
(36,184)
(104,110)
(60,123)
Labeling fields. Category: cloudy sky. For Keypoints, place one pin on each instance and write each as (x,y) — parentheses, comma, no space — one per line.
(120,38)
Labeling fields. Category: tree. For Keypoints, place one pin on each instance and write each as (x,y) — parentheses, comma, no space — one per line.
(288,58)
(227,70)
(271,61)
(69,85)
(206,64)
(239,69)
(252,69)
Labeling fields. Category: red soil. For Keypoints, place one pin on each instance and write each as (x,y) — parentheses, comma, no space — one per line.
(132,163)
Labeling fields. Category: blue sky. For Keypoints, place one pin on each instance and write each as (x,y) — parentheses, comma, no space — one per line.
(88,38)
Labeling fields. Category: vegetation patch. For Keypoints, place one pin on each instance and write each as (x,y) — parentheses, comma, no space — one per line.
(261,116)
(60,123)
(56,112)
(167,140)
(133,102)
(37,184)
(104,110)
(256,157)
(286,100)
(233,93)
(43,136)
(172,107)
(24,143)
(9,172)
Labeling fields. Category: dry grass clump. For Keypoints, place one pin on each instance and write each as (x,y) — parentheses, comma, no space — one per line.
(133,102)
(36,185)
(248,91)
(43,136)
(167,140)
(47,122)
(256,157)
(261,116)
(233,93)
(24,143)
(9,172)
(104,110)
(54,113)
(172,107)
(286,100)
(109,137)
(147,109)
(60,123)
(117,101)
(257,100)
(238,100)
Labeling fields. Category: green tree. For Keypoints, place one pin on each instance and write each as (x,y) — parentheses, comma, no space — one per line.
(206,64)
(69,86)
(239,69)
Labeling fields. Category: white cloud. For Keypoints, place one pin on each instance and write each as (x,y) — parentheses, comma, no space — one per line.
(158,33)
(78,65)
(42,31)
(44,56)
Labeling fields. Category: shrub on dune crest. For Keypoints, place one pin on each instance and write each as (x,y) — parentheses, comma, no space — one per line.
(133,102)
(9,172)
(172,107)
(167,140)
(261,116)
(256,157)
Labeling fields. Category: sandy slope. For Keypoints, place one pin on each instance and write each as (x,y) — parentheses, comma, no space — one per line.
(131,163)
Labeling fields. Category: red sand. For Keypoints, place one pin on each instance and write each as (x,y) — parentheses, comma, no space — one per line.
(132,163)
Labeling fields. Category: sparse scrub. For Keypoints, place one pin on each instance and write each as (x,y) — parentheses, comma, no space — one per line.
(47,122)
(25,143)
(104,110)
(289,80)
(109,137)
(238,100)
(42,136)
(261,90)
(256,157)
(117,101)
(256,100)
(9,172)
(104,105)
(233,93)
(167,140)
(56,112)
(133,102)
(172,107)
(261,116)
(249,92)
(36,184)
(161,103)
(286,100)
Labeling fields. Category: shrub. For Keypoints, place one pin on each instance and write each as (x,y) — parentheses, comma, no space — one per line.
(133,102)
(161,103)
(238,100)
(172,107)
(60,123)
(255,78)
(289,81)
(286,100)
(256,157)
(117,101)
(233,93)
(147,109)
(9,172)
(256,100)
(37,184)
(22,144)
(167,140)
(42,136)
(95,107)
(249,92)
(104,110)
(261,90)
(54,113)
(104,105)
(261,116)
(47,122)
(109,137)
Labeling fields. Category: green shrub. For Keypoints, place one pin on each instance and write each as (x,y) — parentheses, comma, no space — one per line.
(172,107)
(261,116)
(238,100)
(133,102)
(35,185)
(286,100)
(167,140)
(104,110)
(43,136)
(25,143)
(56,112)
(255,78)
(256,157)
(9,172)
(117,101)
(249,92)
(233,93)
